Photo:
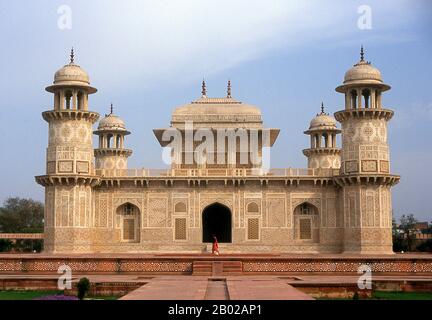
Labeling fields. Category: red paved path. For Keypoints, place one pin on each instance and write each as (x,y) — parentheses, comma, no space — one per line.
(204,288)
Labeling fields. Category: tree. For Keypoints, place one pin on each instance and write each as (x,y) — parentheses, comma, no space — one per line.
(5,245)
(425,246)
(21,215)
(407,224)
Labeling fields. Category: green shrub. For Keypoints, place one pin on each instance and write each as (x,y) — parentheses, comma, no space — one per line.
(425,246)
(83,287)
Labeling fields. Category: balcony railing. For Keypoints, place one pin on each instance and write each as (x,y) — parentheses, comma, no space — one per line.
(226,172)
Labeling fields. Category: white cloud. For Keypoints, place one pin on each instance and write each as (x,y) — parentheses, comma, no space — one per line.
(162,40)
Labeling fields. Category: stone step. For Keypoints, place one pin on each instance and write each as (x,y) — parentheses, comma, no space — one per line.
(232,268)
(202,268)
(217,268)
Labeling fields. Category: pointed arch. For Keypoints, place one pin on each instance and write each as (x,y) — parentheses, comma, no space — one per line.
(252,207)
(217,221)
(129,222)
(306,222)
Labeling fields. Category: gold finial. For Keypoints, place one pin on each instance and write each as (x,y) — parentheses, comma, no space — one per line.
(362,54)
(204,89)
(72,55)
(322,108)
(229,89)
(112,108)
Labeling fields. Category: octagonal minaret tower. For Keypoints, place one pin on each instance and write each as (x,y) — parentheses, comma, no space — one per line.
(70,172)
(323,152)
(365,163)
(111,153)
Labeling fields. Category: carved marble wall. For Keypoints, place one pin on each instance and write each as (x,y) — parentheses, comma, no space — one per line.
(324,161)
(270,211)
(368,219)
(70,148)
(111,162)
(364,146)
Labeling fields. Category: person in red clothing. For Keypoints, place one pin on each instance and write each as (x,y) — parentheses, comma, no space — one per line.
(215,248)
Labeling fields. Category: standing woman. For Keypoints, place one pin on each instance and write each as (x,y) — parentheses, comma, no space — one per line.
(215,248)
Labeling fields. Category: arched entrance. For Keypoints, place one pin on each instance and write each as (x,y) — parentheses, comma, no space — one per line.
(216,220)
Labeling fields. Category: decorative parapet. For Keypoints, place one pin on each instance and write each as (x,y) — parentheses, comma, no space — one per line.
(112,152)
(70,115)
(374,113)
(54,180)
(369,179)
(224,172)
(202,177)
(321,151)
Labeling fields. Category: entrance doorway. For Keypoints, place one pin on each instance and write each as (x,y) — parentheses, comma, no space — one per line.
(216,220)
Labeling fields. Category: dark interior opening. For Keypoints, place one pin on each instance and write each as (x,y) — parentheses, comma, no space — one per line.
(216,220)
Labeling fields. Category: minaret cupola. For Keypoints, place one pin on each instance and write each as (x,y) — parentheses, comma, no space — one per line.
(323,152)
(111,153)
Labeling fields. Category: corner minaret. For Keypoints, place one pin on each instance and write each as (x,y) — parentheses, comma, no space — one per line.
(70,173)
(365,163)
(111,153)
(323,152)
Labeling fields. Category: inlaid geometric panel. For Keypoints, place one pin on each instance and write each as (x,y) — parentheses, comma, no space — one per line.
(369,165)
(352,210)
(368,209)
(276,212)
(64,209)
(128,229)
(51,167)
(384,166)
(157,212)
(180,229)
(103,212)
(253,229)
(65,166)
(82,208)
(305,229)
(331,212)
(82,167)
(351,166)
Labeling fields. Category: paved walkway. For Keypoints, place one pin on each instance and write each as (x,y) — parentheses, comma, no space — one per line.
(170,288)
(263,289)
(209,288)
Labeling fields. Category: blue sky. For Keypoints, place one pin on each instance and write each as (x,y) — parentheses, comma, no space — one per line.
(148,57)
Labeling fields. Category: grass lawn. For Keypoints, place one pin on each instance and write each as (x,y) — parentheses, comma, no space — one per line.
(392,295)
(384,295)
(25,295)
(32,294)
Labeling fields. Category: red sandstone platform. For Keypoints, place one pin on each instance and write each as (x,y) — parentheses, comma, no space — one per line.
(207,264)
